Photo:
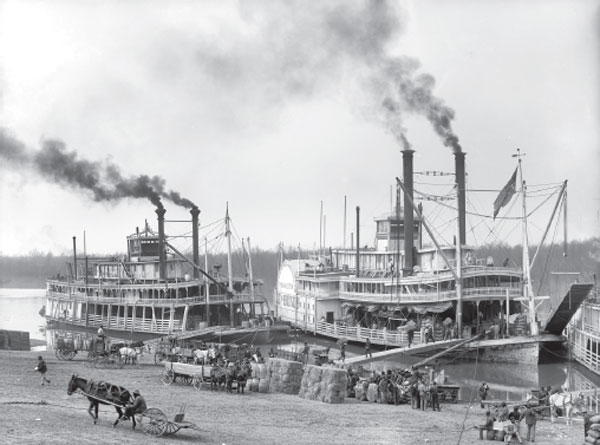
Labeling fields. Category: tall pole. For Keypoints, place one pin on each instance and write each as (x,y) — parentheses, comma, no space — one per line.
(324,233)
(206,283)
(357,241)
(528,288)
(251,275)
(74,258)
(321,229)
(344,242)
(229,266)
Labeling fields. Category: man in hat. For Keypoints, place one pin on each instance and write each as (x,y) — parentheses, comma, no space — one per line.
(368,348)
(137,407)
(42,369)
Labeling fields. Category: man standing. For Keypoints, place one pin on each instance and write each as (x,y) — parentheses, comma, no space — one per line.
(530,420)
(435,397)
(483,392)
(422,395)
(411,335)
(42,369)
(305,352)
(343,352)
(368,348)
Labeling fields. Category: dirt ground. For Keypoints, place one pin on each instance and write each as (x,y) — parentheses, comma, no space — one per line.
(34,414)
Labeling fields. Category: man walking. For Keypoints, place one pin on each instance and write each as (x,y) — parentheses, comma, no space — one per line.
(368,348)
(42,369)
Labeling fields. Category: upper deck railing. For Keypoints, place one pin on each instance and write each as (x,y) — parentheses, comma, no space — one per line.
(131,299)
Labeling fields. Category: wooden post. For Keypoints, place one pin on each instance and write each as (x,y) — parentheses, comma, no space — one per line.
(185,316)
(153,324)
(171,318)
(133,311)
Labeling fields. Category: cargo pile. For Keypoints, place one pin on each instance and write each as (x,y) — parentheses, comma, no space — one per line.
(261,376)
(286,376)
(592,434)
(324,384)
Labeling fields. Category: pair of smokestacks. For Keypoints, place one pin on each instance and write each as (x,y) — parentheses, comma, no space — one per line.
(459,170)
(162,255)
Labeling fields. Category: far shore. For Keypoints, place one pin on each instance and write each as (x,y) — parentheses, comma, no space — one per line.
(35,414)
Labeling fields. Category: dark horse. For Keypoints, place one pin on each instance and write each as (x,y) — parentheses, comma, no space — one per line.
(99,392)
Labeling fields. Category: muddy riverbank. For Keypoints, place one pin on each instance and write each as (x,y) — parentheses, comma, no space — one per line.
(34,414)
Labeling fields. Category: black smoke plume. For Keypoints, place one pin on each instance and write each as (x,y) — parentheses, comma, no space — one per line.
(103,181)
(304,45)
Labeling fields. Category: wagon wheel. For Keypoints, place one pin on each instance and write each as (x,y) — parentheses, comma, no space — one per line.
(154,422)
(71,355)
(187,379)
(58,354)
(168,377)
(159,357)
(197,381)
(117,361)
(171,428)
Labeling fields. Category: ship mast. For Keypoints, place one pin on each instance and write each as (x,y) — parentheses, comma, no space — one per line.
(528,288)
(229,267)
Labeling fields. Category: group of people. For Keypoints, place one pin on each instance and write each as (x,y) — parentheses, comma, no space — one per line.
(423,395)
(511,422)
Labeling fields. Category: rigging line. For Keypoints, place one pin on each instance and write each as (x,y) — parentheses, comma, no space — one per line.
(546,265)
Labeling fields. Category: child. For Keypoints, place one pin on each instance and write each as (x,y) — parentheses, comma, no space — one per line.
(42,368)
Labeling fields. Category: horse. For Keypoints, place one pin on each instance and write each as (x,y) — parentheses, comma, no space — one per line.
(101,393)
(201,356)
(129,355)
(564,401)
(217,377)
(243,372)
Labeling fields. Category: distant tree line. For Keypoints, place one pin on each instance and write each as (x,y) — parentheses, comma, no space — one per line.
(31,270)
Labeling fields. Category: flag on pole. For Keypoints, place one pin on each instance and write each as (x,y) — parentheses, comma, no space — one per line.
(506,193)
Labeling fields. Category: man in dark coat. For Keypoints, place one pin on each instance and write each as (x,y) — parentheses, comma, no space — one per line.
(42,369)
(483,392)
(137,407)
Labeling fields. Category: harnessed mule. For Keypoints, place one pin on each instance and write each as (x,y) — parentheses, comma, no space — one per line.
(100,393)
(566,403)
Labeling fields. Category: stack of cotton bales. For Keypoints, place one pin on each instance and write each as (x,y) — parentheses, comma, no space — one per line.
(360,390)
(286,376)
(592,435)
(324,384)
(260,378)
(373,392)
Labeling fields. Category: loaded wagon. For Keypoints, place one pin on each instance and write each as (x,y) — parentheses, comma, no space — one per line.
(448,393)
(195,375)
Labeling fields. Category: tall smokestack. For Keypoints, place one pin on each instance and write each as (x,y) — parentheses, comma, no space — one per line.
(162,253)
(407,162)
(75,257)
(195,243)
(459,163)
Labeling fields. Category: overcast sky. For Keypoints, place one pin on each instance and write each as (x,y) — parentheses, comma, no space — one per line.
(276,106)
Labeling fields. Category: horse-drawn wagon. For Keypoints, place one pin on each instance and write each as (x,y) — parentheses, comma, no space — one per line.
(153,421)
(102,354)
(195,375)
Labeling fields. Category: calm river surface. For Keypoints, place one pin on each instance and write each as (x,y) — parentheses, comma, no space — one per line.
(19,310)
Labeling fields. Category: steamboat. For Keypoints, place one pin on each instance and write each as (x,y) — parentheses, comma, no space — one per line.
(584,333)
(155,290)
(400,288)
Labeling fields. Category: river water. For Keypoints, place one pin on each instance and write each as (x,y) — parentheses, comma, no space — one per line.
(19,310)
